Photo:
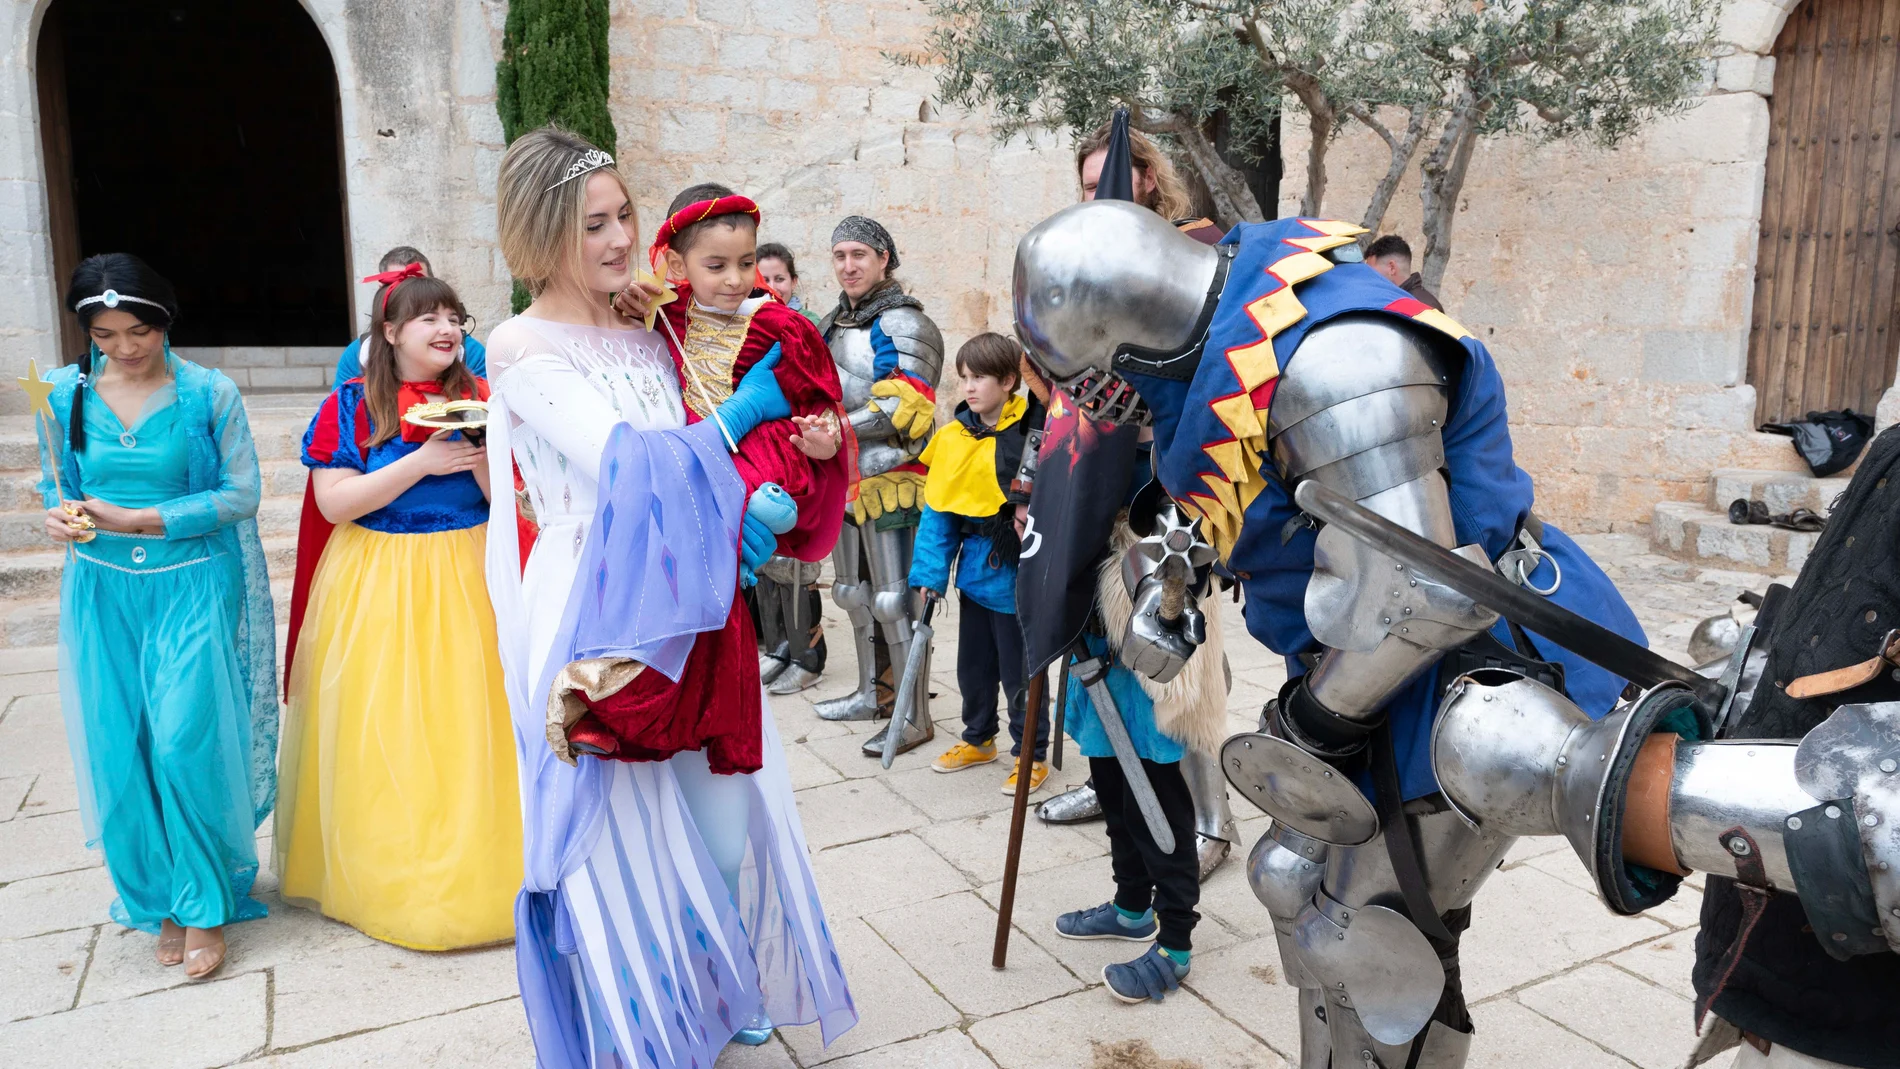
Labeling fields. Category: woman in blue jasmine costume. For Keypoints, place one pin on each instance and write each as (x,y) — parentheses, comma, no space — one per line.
(167,647)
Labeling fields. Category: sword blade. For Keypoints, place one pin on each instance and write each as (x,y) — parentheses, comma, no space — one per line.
(907,686)
(1062,711)
(1580,635)
(1110,716)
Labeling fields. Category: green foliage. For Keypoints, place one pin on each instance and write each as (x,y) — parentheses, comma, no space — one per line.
(1068,63)
(1558,69)
(1459,69)
(554,68)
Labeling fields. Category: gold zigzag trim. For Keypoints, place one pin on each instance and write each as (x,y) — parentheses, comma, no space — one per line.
(1238,479)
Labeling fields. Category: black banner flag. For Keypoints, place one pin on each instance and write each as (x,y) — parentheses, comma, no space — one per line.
(1083,473)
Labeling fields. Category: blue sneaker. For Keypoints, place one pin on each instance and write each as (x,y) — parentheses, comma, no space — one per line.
(1104,922)
(1150,976)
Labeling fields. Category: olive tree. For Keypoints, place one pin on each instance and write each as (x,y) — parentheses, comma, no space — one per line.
(1446,73)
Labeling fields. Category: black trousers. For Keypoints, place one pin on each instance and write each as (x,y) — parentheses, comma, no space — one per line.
(989,654)
(1144,876)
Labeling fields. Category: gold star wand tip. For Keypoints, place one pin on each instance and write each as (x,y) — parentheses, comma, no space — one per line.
(38,390)
(667,294)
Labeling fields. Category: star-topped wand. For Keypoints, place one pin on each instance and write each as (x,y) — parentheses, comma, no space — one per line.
(38,392)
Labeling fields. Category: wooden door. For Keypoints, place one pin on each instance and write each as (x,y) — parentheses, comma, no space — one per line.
(56,146)
(1825,330)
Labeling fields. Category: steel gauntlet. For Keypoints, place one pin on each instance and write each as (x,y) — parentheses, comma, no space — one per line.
(1165,574)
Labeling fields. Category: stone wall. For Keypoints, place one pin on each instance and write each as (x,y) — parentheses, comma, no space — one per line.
(1614,287)
(421,142)
(795,103)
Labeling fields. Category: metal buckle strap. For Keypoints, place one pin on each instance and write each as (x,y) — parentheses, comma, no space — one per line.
(1401,846)
(1518,563)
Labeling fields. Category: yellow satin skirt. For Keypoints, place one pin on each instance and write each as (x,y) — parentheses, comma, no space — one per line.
(398,811)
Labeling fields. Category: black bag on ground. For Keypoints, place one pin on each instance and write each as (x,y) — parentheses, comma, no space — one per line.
(1828,441)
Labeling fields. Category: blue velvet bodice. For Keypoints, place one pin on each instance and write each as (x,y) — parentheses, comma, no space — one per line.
(434,503)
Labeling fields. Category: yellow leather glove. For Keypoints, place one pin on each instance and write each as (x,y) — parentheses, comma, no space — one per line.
(915,414)
(889,492)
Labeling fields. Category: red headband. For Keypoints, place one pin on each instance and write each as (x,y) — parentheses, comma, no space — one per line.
(699,212)
(391,279)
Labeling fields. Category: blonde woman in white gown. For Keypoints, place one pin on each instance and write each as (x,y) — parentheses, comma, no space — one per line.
(667,909)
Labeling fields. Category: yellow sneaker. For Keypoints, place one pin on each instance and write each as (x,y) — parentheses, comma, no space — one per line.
(963,755)
(1038,772)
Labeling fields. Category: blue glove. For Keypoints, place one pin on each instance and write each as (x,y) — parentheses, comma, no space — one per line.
(770,512)
(756,400)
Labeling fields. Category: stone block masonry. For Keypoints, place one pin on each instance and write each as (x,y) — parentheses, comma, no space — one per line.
(798,105)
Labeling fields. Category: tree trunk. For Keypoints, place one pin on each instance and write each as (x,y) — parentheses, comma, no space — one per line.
(1233,198)
(1322,117)
(1444,179)
(1403,148)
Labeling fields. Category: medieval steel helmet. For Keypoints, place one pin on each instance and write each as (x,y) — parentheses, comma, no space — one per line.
(1108,278)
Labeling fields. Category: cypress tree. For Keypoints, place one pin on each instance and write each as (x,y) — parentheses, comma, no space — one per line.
(554,68)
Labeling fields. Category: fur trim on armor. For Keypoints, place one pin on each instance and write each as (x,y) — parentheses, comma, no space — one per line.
(1192,707)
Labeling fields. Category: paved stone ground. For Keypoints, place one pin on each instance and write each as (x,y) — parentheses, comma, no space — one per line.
(910,863)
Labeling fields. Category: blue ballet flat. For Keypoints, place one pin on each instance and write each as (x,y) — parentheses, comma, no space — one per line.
(757,1035)
(753,1037)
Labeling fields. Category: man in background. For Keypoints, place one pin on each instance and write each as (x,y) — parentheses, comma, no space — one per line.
(1392,257)
(350,364)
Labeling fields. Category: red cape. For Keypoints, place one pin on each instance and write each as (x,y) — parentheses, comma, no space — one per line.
(809,380)
(716,704)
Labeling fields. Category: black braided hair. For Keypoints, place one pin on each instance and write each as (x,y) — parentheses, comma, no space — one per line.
(125,274)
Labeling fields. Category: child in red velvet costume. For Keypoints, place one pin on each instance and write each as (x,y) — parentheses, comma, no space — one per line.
(719,325)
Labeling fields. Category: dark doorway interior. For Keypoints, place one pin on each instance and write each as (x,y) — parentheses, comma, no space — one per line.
(203,137)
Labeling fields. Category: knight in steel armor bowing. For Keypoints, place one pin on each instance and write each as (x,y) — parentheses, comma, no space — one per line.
(890,356)
(1266,362)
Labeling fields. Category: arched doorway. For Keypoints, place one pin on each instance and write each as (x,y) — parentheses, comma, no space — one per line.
(203,136)
(1826,323)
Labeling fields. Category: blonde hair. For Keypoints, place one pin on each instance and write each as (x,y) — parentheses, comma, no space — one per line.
(542,229)
(1170,198)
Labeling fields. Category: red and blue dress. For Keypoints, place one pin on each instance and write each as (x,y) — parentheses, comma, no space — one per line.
(399,812)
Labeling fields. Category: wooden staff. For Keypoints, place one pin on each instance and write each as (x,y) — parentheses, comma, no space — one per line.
(1019,811)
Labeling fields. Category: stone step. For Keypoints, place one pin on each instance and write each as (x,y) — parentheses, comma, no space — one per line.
(30,622)
(1690,532)
(19,488)
(34,576)
(25,531)
(1760,451)
(1781,491)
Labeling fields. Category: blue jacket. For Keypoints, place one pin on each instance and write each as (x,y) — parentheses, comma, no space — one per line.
(971,470)
(350,364)
(940,539)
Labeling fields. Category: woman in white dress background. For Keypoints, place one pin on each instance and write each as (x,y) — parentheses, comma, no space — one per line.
(666,909)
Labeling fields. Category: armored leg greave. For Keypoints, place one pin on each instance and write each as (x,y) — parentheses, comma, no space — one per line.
(773,655)
(1214,829)
(1374,990)
(805,645)
(852,593)
(895,609)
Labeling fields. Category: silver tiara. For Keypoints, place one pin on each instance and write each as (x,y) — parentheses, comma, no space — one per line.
(111,299)
(592,160)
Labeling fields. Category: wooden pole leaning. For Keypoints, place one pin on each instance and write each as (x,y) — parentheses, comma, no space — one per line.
(1019,812)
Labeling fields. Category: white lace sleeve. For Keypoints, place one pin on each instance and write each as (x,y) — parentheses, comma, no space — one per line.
(552,397)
